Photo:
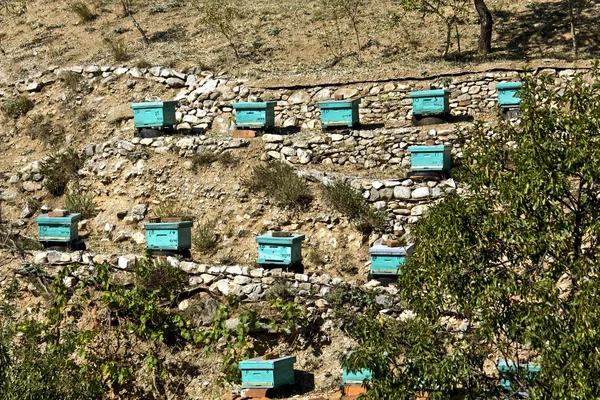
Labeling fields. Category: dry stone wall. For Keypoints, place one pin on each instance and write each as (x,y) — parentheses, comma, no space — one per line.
(205,98)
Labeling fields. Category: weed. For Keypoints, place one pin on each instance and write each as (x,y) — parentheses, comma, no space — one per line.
(119,50)
(80,201)
(159,274)
(17,106)
(74,82)
(279,290)
(142,63)
(59,169)
(205,239)
(83,11)
(343,198)
(42,128)
(119,30)
(273,31)
(315,258)
(166,209)
(83,117)
(156,10)
(282,183)
(205,159)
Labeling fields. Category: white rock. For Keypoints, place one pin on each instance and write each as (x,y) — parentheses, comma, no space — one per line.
(125,262)
(420,193)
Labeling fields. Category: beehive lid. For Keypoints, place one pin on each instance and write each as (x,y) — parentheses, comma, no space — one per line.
(168,225)
(339,103)
(45,219)
(429,93)
(252,105)
(380,249)
(508,85)
(152,104)
(260,363)
(428,149)
(270,239)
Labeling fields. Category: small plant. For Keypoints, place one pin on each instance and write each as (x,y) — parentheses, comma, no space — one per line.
(74,82)
(206,159)
(59,169)
(350,203)
(227,159)
(279,290)
(42,128)
(166,209)
(142,63)
(156,10)
(281,182)
(83,11)
(273,31)
(17,106)
(80,201)
(83,117)
(205,239)
(221,16)
(159,274)
(119,50)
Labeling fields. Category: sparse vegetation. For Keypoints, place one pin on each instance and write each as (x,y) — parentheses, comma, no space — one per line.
(83,10)
(118,49)
(221,16)
(349,202)
(166,209)
(74,83)
(42,128)
(205,238)
(280,182)
(80,200)
(17,106)
(60,168)
(206,158)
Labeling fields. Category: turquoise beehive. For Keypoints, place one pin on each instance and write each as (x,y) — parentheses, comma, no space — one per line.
(172,236)
(339,113)
(504,367)
(280,250)
(355,378)
(430,102)
(507,94)
(430,158)
(58,229)
(157,114)
(387,260)
(258,115)
(258,373)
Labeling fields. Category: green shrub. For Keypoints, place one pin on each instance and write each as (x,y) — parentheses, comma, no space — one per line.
(281,182)
(343,198)
(83,11)
(42,128)
(80,201)
(166,209)
(118,49)
(205,239)
(59,169)
(17,106)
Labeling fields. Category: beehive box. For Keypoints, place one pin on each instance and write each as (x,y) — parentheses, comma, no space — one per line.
(58,229)
(387,260)
(158,114)
(258,115)
(173,236)
(280,250)
(507,94)
(355,378)
(267,374)
(339,113)
(504,367)
(430,102)
(430,158)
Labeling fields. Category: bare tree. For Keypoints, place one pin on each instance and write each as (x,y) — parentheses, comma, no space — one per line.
(485,21)
(127,8)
